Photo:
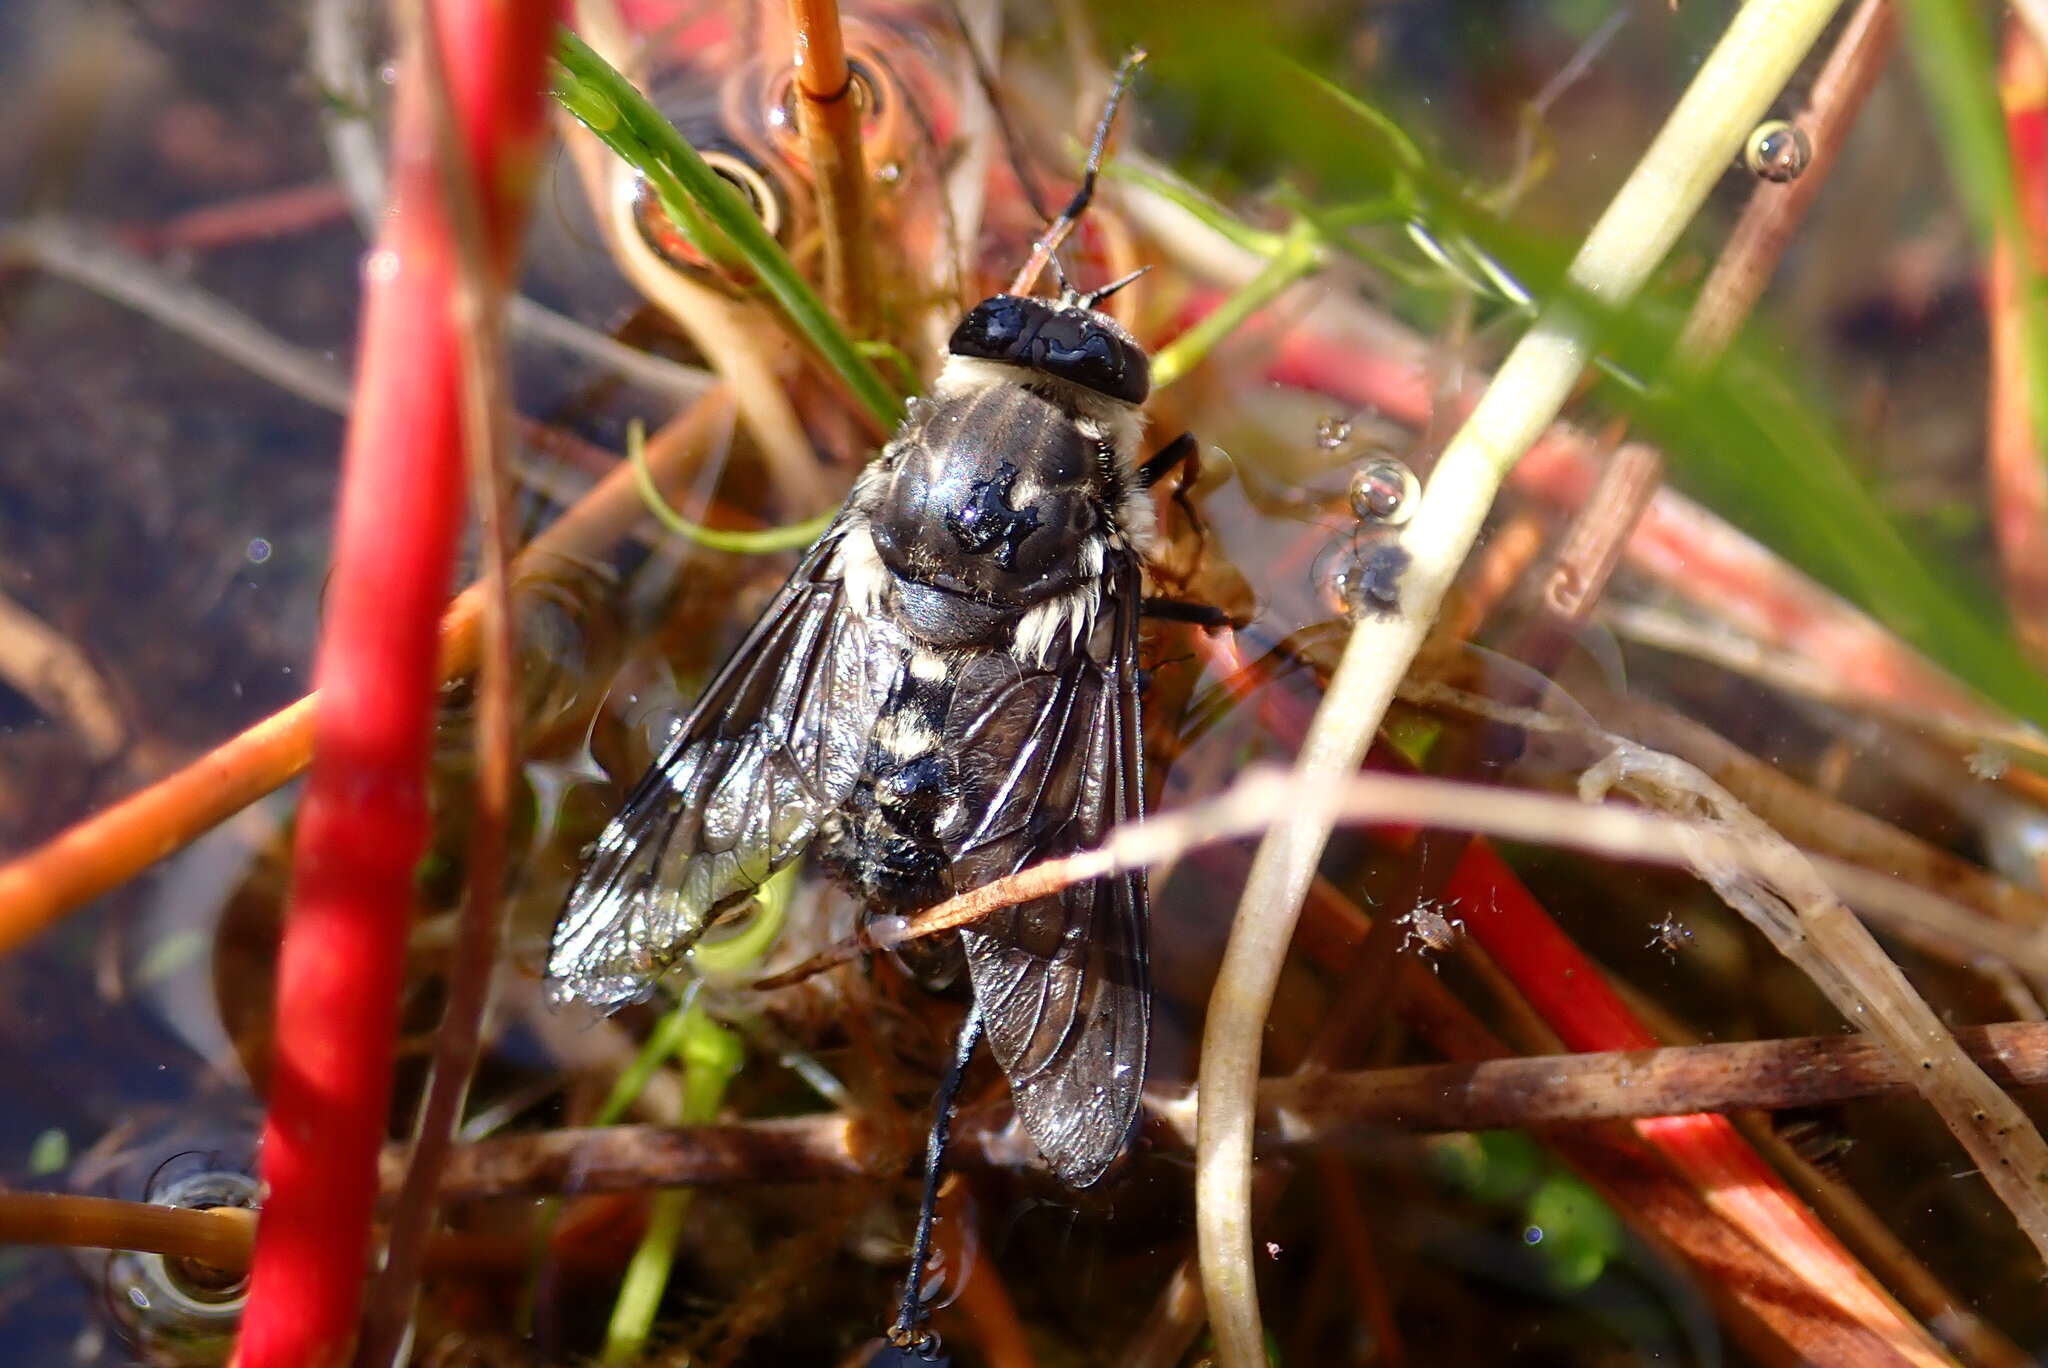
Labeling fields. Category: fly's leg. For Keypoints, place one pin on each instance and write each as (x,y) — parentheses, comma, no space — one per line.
(1182,450)
(1185,452)
(908,1333)
(1206,615)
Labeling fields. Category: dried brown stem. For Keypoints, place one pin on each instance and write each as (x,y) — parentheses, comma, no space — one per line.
(829,110)
(1297,1112)
(1599,532)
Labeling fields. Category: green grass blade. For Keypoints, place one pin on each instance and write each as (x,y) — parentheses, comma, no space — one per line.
(1952,52)
(703,202)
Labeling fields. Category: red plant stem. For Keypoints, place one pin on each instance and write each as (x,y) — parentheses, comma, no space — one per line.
(1572,995)
(2018,478)
(364,823)
(1568,991)
(250,218)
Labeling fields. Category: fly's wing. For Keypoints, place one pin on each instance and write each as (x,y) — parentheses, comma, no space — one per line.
(771,750)
(1050,760)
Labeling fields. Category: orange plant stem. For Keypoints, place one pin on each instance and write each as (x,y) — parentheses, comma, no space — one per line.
(112,846)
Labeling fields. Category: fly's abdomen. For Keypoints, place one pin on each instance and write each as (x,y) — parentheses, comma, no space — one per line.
(890,844)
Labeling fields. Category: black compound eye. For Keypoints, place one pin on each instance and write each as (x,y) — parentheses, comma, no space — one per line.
(1084,352)
(999,329)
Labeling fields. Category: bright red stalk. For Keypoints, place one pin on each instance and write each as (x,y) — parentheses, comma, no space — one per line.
(363,823)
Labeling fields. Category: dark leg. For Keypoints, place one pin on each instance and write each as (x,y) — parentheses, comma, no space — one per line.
(1183,448)
(1182,610)
(1183,451)
(908,1332)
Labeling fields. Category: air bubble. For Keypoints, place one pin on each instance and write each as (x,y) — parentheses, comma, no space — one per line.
(1384,491)
(1777,151)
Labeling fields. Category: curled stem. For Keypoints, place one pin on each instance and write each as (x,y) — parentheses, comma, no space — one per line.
(717,538)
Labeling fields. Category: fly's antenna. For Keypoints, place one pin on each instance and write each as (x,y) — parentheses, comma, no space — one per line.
(1059,275)
(1042,251)
(1095,297)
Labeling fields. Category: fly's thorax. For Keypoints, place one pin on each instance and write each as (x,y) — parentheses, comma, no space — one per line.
(1000,495)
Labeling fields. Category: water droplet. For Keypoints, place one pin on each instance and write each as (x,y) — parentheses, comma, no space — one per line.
(886,931)
(1384,491)
(1777,151)
(1533,1235)
(258,551)
(1332,432)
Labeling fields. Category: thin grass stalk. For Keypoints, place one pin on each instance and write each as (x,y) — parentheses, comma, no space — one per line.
(1296,255)
(363,824)
(1763,44)
(480,290)
(829,113)
(711,1056)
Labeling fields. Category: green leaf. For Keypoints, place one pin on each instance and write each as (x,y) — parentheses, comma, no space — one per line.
(50,1152)
(708,209)
(1573,1231)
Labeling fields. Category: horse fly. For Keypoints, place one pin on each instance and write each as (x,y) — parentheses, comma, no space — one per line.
(945,691)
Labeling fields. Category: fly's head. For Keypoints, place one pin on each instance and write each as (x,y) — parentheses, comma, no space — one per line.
(1012,484)
(1064,341)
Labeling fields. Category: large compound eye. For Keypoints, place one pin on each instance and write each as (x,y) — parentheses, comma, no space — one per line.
(660,231)
(1083,351)
(1000,328)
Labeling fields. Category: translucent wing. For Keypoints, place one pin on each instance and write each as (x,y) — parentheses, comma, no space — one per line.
(1051,760)
(771,750)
